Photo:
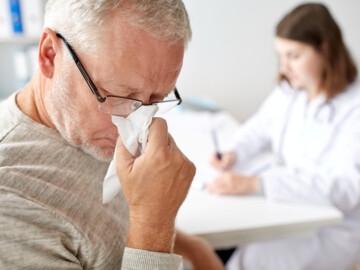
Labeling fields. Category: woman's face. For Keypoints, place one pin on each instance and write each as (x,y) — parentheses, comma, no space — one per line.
(300,63)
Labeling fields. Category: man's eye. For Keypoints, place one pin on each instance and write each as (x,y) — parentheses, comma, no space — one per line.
(157,98)
(102,92)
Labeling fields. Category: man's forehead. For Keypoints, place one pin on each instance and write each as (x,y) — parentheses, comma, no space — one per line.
(137,57)
(143,62)
(140,66)
(122,38)
(132,59)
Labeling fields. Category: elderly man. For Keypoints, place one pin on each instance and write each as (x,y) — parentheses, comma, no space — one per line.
(97,58)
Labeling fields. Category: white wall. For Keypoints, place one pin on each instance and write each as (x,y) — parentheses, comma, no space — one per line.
(231,58)
(7,76)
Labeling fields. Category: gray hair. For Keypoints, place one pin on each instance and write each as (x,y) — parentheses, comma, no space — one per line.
(80,20)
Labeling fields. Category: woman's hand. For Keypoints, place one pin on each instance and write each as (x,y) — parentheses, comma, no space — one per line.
(234,184)
(226,162)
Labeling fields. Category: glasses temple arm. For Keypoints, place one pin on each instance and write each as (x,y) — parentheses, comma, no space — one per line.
(82,70)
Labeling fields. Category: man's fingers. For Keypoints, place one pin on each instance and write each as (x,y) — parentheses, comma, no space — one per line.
(171,141)
(124,159)
(158,135)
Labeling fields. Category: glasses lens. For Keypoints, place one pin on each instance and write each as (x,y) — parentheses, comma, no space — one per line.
(124,106)
(119,106)
(166,106)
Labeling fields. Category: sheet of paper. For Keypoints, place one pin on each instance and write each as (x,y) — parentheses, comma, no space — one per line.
(192,134)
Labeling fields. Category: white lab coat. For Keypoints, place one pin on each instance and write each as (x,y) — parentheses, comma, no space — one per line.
(317,146)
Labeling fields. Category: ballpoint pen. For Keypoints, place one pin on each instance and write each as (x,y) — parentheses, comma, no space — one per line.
(216,144)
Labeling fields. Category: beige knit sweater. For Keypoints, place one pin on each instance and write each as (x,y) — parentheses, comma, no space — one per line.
(51,211)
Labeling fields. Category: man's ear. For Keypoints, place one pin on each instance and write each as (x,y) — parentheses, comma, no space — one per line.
(49,47)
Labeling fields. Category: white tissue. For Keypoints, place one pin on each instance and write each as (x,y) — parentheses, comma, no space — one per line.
(134,131)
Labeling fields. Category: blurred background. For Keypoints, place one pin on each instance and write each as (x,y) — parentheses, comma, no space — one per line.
(231,59)
(21,23)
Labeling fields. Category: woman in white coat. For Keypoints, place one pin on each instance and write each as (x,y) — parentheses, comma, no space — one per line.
(311,122)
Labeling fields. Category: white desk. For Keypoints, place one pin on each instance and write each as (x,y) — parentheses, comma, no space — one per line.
(226,221)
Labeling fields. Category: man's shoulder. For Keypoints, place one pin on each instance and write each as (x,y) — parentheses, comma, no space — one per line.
(30,232)
(33,235)
(38,165)
(24,142)
(60,184)
(7,121)
(14,121)
(57,224)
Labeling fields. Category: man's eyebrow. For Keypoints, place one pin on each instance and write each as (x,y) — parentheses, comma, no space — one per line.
(119,86)
(127,88)
(171,90)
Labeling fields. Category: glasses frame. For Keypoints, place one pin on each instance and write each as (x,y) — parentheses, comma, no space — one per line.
(94,89)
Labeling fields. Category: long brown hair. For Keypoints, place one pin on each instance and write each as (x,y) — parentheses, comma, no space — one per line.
(314,25)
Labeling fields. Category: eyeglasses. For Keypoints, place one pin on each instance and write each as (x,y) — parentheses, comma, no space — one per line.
(121,106)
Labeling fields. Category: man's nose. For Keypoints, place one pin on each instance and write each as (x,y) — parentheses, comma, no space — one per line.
(145,98)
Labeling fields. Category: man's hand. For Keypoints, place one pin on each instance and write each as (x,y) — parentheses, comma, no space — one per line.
(225,163)
(234,184)
(155,184)
(197,251)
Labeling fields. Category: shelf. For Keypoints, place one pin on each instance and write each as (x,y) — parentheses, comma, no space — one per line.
(19,40)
